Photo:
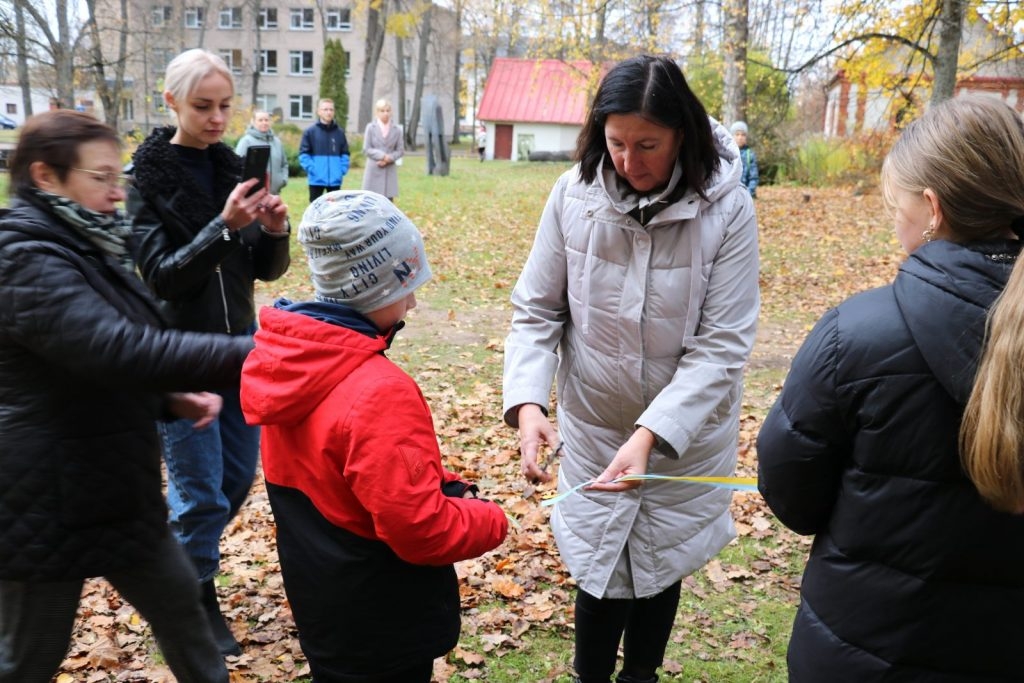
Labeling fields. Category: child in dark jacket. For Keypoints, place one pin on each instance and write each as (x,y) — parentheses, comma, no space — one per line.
(750,177)
(368,520)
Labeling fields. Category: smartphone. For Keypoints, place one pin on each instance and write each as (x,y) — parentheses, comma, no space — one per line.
(257,159)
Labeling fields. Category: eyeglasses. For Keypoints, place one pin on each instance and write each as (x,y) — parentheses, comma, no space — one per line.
(112,180)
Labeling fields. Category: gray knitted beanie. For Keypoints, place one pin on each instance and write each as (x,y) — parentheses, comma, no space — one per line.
(362,251)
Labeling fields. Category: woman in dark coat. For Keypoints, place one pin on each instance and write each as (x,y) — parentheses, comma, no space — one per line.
(85,367)
(915,571)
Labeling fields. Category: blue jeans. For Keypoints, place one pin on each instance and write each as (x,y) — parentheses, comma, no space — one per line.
(209,474)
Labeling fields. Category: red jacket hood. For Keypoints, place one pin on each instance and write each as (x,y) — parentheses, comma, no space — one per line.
(296,362)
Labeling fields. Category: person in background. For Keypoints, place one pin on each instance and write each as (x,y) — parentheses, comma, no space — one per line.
(750,175)
(86,370)
(384,146)
(260,133)
(481,141)
(323,152)
(368,520)
(897,437)
(640,296)
(200,243)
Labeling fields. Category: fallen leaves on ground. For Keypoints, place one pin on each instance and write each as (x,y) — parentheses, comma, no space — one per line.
(818,246)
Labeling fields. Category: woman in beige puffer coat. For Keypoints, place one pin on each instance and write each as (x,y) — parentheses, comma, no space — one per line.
(640,296)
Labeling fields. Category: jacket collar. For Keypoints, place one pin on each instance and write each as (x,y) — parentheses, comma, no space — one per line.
(158,173)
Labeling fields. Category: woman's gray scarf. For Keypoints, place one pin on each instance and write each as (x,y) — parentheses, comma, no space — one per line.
(107,232)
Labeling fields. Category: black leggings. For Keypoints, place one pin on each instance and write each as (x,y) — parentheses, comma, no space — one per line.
(600,623)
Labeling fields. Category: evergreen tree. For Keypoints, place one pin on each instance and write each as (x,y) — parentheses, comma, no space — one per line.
(332,80)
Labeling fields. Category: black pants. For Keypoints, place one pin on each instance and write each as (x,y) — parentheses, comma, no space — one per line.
(36,619)
(601,622)
(317,190)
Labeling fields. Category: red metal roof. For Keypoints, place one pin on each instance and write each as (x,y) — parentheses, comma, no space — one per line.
(536,91)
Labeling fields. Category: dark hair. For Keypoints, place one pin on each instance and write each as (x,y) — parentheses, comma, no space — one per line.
(654,88)
(53,137)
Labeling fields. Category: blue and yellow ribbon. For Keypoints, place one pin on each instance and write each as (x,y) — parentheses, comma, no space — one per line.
(732,483)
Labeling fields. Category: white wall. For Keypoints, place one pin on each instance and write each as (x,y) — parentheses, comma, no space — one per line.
(546,137)
(10,98)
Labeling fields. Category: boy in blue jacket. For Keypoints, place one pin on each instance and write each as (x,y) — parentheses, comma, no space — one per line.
(323,152)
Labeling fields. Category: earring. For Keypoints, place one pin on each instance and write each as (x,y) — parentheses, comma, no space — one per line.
(929,234)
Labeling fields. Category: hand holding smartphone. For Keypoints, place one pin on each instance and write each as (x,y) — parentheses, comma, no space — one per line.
(257,159)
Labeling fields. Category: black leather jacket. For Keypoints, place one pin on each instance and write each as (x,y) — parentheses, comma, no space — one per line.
(84,362)
(203,273)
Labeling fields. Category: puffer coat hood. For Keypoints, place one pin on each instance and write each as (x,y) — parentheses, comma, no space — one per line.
(911,574)
(640,325)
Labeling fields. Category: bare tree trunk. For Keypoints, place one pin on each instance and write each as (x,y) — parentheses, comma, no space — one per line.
(400,69)
(951,22)
(23,79)
(110,95)
(257,5)
(374,45)
(456,73)
(734,95)
(60,47)
(202,25)
(421,76)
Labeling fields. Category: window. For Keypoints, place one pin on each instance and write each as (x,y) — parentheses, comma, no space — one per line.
(156,101)
(267,18)
(12,108)
(266,102)
(301,19)
(194,17)
(162,15)
(300,106)
(230,17)
(407,67)
(159,58)
(348,63)
(268,62)
(127,109)
(233,58)
(300,62)
(338,19)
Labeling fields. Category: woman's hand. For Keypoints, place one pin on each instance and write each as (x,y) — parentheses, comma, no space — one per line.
(202,407)
(631,459)
(534,429)
(273,214)
(239,210)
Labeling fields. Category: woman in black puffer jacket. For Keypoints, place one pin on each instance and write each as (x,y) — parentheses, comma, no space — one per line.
(915,571)
(85,370)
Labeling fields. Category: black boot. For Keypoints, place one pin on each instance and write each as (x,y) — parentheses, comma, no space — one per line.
(626,678)
(221,633)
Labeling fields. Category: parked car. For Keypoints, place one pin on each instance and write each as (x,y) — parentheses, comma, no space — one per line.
(7,123)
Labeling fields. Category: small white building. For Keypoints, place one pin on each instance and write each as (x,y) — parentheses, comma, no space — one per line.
(12,104)
(534,106)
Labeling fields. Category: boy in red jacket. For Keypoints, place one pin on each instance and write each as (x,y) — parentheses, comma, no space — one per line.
(368,520)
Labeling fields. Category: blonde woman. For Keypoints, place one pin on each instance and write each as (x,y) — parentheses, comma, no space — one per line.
(200,242)
(915,572)
(384,147)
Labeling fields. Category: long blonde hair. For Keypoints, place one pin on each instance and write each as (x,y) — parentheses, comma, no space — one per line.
(970,152)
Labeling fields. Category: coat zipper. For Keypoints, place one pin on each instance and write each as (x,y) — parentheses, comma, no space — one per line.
(224,299)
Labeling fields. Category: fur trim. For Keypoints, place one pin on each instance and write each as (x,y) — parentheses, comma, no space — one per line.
(159,173)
